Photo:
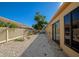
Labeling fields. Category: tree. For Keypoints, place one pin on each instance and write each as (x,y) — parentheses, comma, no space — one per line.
(34,26)
(40,21)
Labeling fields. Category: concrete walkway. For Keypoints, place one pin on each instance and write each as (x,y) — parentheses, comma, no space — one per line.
(41,48)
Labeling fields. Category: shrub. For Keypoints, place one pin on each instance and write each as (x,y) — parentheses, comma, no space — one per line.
(19,39)
(12,25)
(29,33)
(9,24)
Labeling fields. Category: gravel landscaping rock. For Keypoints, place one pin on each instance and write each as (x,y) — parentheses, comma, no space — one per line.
(15,48)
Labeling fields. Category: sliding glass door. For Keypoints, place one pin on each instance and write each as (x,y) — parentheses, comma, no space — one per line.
(56,32)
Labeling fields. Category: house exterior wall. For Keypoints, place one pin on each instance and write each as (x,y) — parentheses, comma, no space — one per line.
(49,33)
(60,18)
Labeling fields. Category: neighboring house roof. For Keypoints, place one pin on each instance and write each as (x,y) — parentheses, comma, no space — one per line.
(6,20)
(61,9)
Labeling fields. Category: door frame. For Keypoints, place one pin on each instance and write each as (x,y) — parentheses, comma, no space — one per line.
(54,32)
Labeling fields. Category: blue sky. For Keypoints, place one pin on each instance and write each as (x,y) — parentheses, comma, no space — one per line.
(24,12)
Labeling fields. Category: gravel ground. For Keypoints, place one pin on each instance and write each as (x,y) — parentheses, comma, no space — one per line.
(41,48)
(15,48)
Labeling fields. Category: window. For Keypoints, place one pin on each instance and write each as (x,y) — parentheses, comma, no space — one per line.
(67,23)
(75,28)
(71,29)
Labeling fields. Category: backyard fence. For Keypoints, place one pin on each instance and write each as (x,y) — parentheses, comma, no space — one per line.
(7,34)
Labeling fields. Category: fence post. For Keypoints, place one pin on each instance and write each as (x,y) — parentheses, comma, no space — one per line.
(24,34)
(7,35)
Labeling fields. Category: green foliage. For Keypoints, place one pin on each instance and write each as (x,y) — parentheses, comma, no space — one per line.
(35,26)
(38,17)
(9,24)
(19,40)
(40,21)
(2,24)
(12,25)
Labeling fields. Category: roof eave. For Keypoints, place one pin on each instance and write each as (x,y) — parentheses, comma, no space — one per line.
(61,8)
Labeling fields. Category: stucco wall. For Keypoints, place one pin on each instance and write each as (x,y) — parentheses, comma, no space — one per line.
(48,32)
(60,17)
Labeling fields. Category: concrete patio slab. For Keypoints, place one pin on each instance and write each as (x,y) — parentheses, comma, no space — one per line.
(41,48)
